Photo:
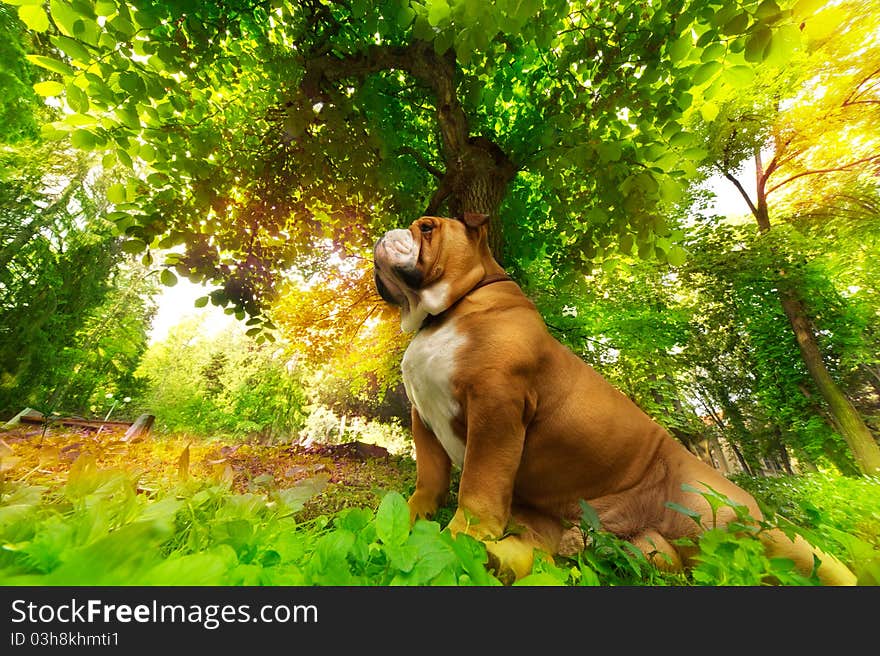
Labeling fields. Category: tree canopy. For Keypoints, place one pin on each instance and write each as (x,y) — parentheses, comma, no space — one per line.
(254,132)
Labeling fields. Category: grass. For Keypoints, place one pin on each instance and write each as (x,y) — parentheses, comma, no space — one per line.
(86,509)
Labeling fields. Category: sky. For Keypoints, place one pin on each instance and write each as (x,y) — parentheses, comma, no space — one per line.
(176,304)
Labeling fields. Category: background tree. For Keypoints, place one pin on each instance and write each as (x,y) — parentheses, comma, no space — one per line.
(221,383)
(830,94)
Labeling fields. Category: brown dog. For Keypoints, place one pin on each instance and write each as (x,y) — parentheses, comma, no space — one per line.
(533,427)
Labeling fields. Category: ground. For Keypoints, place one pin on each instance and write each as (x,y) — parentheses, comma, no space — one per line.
(352,474)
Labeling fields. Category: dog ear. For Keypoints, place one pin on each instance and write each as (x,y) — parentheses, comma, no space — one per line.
(474,219)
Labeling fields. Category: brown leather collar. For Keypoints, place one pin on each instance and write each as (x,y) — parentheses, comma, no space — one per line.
(488,280)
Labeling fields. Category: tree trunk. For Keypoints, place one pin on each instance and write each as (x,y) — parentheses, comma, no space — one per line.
(742,460)
(720,457)
(477,169)
(477,180)
(851,425)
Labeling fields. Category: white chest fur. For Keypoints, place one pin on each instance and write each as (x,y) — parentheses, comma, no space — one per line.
(428,366)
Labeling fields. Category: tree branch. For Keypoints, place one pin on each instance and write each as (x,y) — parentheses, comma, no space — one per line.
(851,99)
(437,72)
(421,161)
(742,191)
(864,160)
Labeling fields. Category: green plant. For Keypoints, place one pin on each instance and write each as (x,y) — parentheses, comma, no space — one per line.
(732,553)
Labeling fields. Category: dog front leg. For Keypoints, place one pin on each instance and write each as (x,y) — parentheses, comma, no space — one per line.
(433,468)
(495,435)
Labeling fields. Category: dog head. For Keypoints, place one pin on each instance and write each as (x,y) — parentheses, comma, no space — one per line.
(427,267)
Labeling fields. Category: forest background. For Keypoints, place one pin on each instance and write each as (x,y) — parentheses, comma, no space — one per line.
(256,149)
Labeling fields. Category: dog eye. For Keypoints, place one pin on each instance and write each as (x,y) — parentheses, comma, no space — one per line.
(426,227)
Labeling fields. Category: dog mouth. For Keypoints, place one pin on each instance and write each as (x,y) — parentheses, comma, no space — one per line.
(395,265)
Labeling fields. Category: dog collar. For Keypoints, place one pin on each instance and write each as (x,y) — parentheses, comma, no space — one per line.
(488,280)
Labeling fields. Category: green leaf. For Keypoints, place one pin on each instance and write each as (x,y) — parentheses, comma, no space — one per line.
(697,153)
(438,12)
(50,64)
(34,17)
(705,72)
(736,25)
(105,7)
(77,98)
(693,514)
(116,194)
(768,10)
(609,151)
(541,578)
(679,48)
(709,111)
(49,88)
(392,519)
(782,44)
(132,83)
(65,17)
(128,116)
(713,52)
(739,77)
(72,48)
(168,278)
(294,498)
(134,246)
(589,517)
(756,43)
(83,139)
(676,256)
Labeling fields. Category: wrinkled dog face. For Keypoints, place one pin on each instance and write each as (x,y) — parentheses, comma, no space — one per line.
(411,271)
(396,257)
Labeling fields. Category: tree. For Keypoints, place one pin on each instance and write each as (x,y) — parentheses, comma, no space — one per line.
(256,130)
(830,95)
(220,384)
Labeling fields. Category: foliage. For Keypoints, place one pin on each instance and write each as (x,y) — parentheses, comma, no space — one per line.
(18,100)
(129,515)
(225,384)
(346,336)
(818,501)
(228,115)
(752,357)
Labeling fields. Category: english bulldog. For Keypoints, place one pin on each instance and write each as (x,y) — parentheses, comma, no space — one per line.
(534,429)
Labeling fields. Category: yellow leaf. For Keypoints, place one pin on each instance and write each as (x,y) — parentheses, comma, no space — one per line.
(183,464)
(8,462)
(49,88)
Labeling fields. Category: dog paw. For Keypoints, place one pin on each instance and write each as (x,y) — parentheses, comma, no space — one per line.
(421,507)
(512,558)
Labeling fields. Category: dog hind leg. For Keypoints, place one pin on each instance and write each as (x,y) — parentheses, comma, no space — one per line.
(831,571)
